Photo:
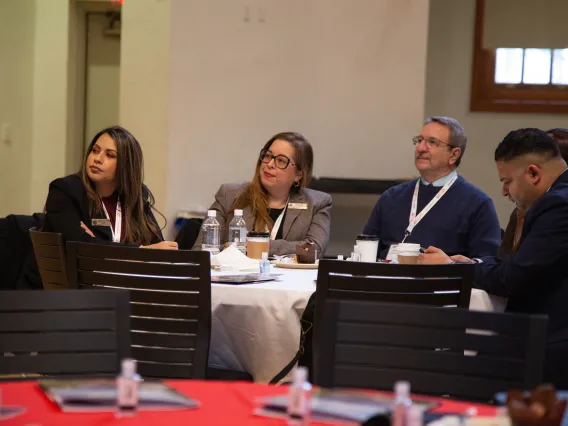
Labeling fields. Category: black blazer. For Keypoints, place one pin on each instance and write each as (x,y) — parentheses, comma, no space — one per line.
(535,278)
(67,206)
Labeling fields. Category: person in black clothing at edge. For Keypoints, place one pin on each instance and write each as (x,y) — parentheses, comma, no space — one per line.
(535,279)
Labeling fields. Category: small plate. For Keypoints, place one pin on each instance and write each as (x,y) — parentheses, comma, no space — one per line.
(296,265)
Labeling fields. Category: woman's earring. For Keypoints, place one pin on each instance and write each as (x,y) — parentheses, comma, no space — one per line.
(297,183)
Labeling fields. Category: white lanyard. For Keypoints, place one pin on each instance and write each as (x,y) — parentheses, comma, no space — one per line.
(413,219)
(278,222)
(117,222)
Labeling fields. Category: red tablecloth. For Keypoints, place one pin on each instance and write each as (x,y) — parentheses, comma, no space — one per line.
(222,403)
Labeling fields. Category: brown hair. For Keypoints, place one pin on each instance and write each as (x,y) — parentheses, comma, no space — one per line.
(132,192)
(560,136)
(256,196)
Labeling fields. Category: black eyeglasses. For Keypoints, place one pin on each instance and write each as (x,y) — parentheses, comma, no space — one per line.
(280,161)
(431,142)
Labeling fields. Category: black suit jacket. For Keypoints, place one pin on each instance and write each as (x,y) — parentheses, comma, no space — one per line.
(67,206)
(535,278)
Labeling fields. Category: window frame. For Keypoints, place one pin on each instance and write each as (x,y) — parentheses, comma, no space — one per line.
(488,96)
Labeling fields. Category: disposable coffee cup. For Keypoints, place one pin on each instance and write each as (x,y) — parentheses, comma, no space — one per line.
(408,253)
(257,243)
(368,247)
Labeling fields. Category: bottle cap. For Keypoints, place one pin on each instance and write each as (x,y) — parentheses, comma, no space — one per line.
(254,234)
(211,213)
(402,388)
(264,255)
(300,375)
(365,237)
(238,212)
(128,367)
(339,257)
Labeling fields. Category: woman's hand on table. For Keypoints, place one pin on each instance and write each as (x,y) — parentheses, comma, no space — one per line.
(434,256)
(87,230)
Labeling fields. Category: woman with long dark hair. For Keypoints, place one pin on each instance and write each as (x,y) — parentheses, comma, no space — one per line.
(277,200)
(107,200)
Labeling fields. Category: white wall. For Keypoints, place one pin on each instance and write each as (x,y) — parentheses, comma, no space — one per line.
(448,82)
(237,72)
(145,85)
(102,78)
(34,38)
(16,99)
(50,88)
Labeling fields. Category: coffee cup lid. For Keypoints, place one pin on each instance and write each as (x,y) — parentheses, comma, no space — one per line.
(254,234)
(365,237)
(408,246)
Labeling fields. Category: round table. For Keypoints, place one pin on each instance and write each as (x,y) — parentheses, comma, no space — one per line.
(222,404)
(256,327)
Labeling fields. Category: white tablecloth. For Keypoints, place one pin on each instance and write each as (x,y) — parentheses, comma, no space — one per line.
(256,327)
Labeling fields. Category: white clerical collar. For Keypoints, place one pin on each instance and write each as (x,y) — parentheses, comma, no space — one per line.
(442,181)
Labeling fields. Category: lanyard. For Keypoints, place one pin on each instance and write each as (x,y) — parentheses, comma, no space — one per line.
(413,220)
(117,222)
(278,222)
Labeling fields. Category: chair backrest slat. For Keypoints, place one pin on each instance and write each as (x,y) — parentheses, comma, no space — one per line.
(170,295)
(436,285)
(107,279)
(141,268)
(372,344)
(69,332)
(49,252)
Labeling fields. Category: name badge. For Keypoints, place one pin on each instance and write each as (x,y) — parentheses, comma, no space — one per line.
(392,254)
(298,206)
(100,222)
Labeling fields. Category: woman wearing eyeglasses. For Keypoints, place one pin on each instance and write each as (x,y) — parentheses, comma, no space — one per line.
(277,199)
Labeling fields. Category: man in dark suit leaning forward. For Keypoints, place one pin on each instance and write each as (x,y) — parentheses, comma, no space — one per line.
(535,278)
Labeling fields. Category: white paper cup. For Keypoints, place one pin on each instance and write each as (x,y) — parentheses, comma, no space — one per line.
(368,247)
(408,253)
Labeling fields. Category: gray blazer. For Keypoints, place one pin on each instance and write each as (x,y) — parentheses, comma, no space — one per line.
(300,225)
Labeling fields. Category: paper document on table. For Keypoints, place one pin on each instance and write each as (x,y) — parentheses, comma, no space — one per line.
(100,395)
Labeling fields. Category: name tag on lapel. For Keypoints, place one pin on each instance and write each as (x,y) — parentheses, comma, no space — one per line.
(298,206)
(100,222)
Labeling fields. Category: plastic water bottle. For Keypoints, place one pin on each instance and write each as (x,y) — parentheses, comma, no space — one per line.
(210,229)
(127,389)
(238,231)
(299,409)
(402,404)
(264,265)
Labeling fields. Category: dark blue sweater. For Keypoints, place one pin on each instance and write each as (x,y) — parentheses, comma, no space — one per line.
(463,221)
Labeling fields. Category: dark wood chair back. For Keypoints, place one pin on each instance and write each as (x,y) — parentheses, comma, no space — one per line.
(64,333)
(49,252)
(372,344)
(170,302)
(435,285)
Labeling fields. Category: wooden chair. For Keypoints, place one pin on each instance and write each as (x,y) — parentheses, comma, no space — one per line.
(170,295)
(49,252)
(372,344)
(435,285)
(64,333)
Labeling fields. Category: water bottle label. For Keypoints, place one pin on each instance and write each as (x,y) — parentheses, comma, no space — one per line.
(127,392)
